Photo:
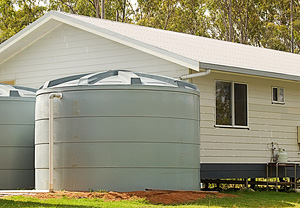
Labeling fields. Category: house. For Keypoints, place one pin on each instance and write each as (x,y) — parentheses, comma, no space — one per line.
(249,95)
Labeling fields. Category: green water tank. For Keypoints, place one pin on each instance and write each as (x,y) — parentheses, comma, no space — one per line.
(17,106)
(121,131)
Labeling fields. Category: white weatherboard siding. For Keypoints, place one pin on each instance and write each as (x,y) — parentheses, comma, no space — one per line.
(268,122)
(66,51)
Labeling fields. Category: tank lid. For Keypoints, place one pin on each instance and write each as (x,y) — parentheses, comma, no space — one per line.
(118,77)
(16,91)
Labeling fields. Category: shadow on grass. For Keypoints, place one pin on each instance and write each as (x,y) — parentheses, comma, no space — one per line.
(12,203)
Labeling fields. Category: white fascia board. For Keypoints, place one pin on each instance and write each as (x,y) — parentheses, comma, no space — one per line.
(253,72)
(147,48)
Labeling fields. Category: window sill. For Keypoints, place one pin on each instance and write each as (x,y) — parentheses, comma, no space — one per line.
(280,103)
(232,127)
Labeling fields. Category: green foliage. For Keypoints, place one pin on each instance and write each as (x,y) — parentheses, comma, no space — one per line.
(186,16)
(120,10)
(16,15)
(81,7)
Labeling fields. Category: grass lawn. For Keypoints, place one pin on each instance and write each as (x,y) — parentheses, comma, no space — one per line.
(244,199)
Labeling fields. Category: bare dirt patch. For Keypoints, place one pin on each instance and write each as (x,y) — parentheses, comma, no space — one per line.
(154,197)
(176,197)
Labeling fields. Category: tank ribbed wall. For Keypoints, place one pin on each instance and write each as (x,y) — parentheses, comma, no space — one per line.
(120,138)
(17,143)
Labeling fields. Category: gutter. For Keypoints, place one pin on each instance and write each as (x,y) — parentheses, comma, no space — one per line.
(200,74)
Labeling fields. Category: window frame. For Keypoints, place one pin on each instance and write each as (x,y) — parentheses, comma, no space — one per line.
(278,94)
(233,126)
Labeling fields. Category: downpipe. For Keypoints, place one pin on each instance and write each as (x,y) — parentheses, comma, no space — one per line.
(189,76)
(51,138)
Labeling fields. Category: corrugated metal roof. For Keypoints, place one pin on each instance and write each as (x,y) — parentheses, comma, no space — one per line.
(188,50)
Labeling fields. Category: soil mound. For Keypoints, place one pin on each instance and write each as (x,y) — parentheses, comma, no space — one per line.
(154,197)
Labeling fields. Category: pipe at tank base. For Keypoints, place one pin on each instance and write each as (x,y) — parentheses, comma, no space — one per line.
(200,74)
(51,118)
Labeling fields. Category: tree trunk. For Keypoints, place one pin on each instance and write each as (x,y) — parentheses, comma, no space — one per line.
(102,9)
(124,11)
(230,21)
(97,8)
(246,23)
(117,15)
(291,23)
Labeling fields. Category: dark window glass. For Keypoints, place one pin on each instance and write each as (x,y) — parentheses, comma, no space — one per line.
(275,94)
(223,103)
(240,104)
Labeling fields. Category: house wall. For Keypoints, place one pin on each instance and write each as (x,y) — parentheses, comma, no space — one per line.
(267,123)
(68,50)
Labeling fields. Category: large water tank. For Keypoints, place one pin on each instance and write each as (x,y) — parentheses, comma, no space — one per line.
(17,106)
(121,131)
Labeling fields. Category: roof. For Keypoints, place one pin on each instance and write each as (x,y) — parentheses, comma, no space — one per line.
(187,50)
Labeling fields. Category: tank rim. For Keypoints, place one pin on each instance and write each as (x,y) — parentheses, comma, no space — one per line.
(117,87)
(18,98)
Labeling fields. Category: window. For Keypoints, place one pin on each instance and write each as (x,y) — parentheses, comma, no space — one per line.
(278,95)
(231,104)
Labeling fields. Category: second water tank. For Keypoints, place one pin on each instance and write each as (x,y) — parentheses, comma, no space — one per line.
(17,105)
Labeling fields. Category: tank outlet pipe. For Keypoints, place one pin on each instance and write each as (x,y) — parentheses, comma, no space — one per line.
(200,74)
(51,138)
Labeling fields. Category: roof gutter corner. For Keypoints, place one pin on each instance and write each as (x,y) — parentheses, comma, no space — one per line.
(200,74)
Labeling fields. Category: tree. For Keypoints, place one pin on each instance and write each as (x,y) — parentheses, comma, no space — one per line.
(113,8)
(191,18)
(235,20)
(276,33)
(186,16)
(16,15)
(263,23)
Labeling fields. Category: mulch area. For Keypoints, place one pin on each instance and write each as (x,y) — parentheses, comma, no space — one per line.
(154,197)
